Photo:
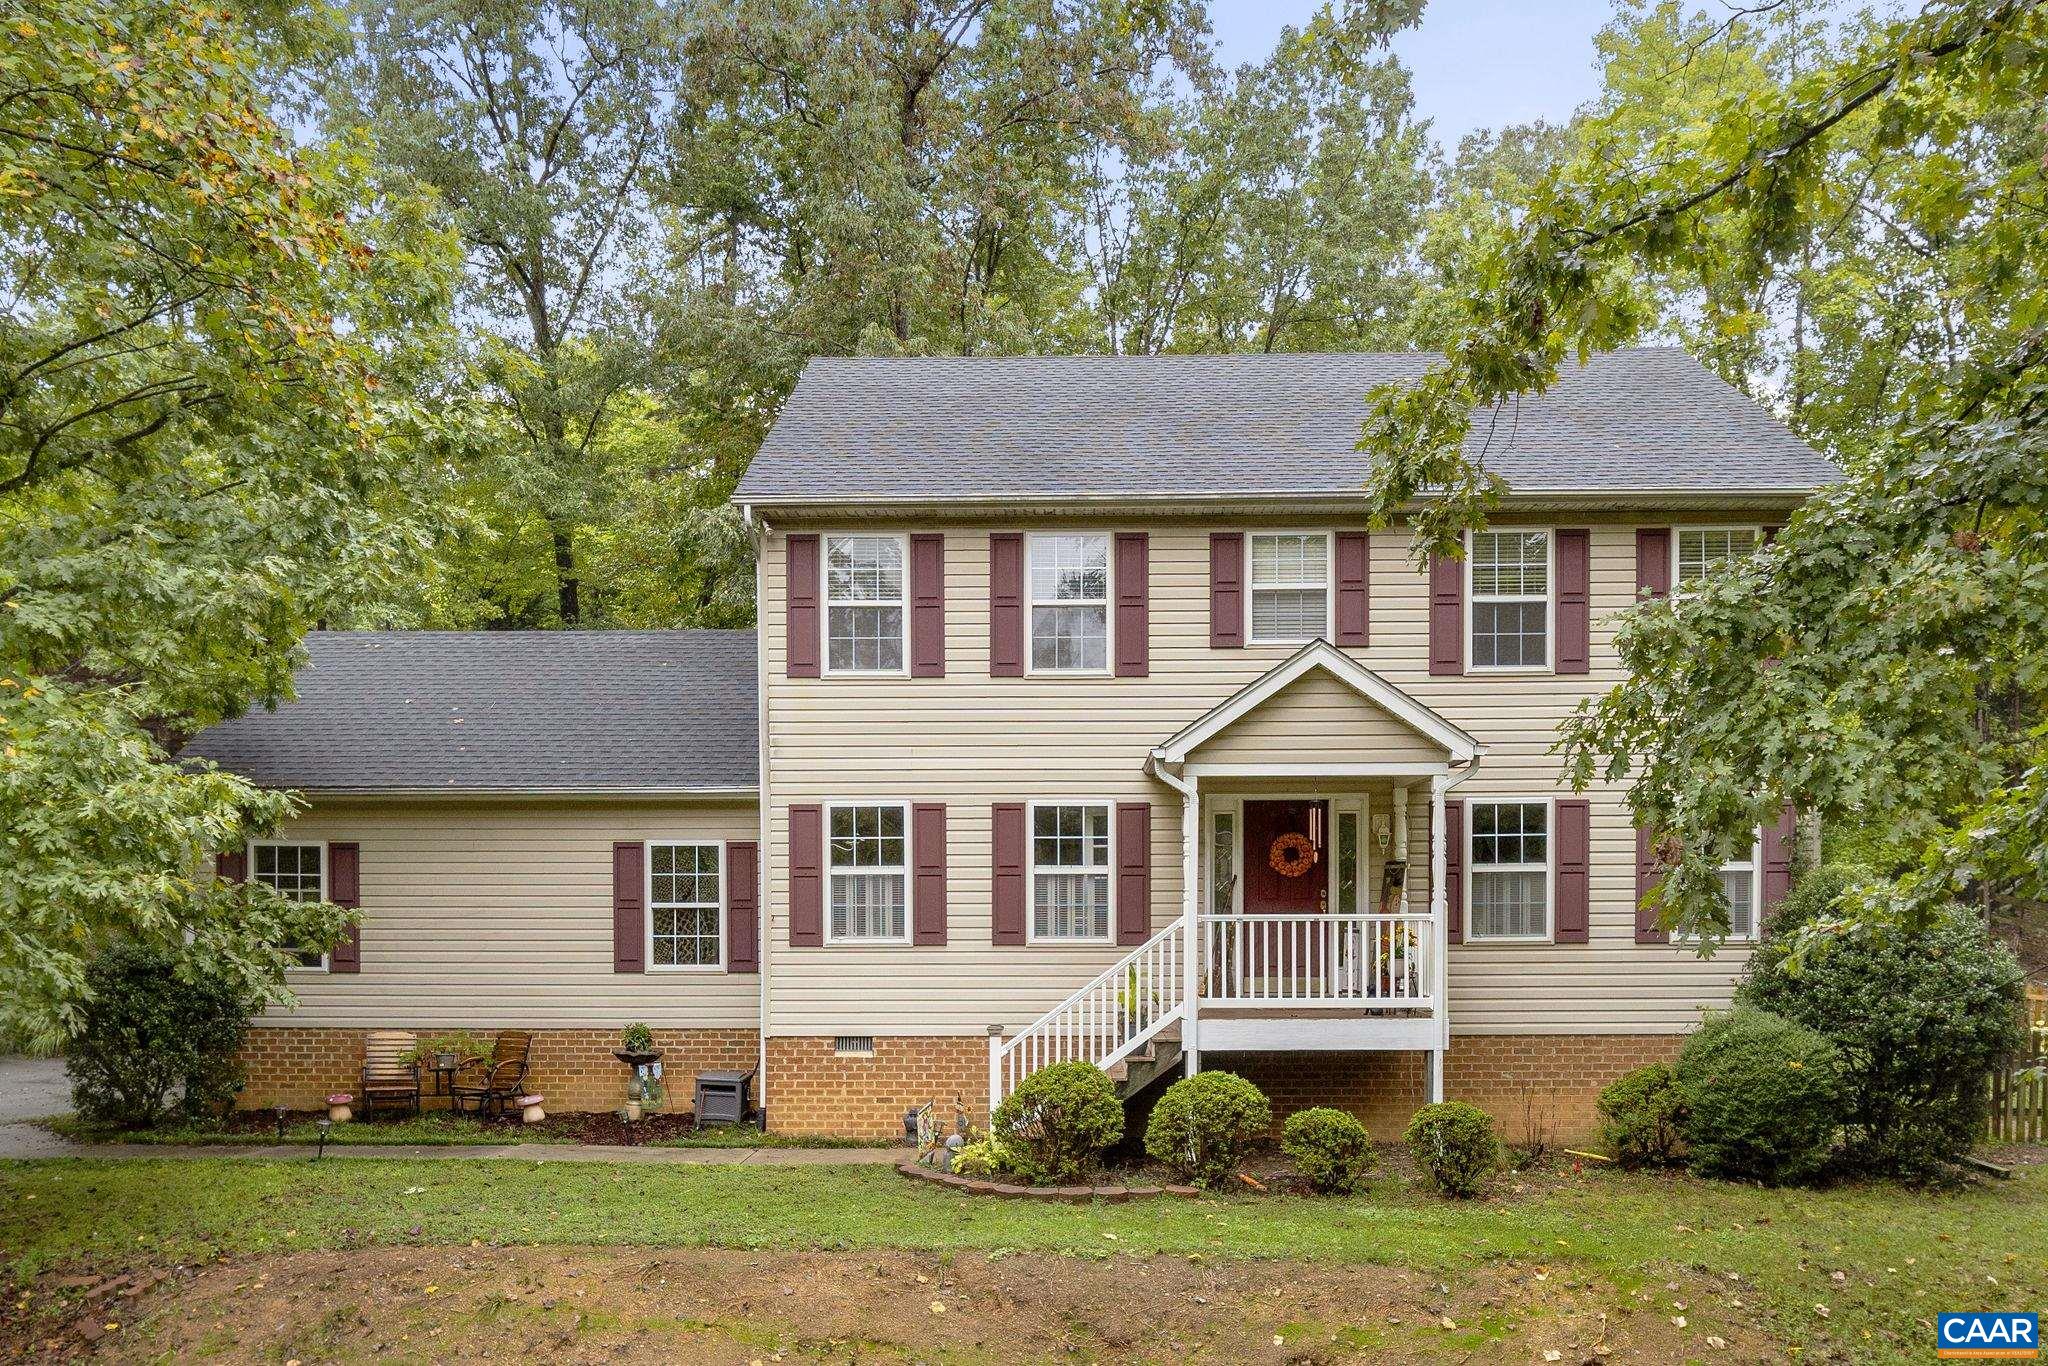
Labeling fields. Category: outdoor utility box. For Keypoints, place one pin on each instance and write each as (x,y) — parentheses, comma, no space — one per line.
(722,1097)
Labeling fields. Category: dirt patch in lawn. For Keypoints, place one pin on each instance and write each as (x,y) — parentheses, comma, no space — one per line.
(718,1305)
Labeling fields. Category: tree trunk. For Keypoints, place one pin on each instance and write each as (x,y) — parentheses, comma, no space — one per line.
(567,589)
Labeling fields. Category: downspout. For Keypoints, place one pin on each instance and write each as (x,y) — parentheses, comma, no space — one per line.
(757,531)
(1190,838)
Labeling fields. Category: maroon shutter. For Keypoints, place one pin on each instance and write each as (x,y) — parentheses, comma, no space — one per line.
(806,876)
(1454,872)
(1572,851)
(1446,615)
(1006,604)
(927,605)
(344,889)
(1574,602)
(743,906)
(1649,872)
(1133,605)
(1354,591)
(629,906)
(928,880)
(231,867)
(1778,843)
(800,594)
(1226,590)
(1007,874)
(1653,561)
(1133,872)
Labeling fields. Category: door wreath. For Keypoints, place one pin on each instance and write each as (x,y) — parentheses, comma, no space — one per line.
(1292,855)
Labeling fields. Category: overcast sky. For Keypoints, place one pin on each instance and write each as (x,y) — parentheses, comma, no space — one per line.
(1477,63)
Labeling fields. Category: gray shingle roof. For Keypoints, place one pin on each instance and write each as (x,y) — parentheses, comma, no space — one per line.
(488,711)
(941,429)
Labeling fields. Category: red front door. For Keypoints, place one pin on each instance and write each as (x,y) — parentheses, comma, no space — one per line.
(1268,891)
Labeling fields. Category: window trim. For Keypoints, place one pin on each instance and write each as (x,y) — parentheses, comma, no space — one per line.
(1032,868)
(825,604)
(1549,665)
(326,963)
(647,847)
(1251,585)
(1032,602)
(1471,867)
(1678,538)
(909,863)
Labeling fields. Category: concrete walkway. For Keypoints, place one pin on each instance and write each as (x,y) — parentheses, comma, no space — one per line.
(32,1088)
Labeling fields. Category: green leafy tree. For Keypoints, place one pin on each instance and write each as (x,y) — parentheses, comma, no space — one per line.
(199,456)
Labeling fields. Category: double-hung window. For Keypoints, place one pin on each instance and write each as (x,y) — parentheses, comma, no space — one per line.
(1069,604)
(684,906)
(1510,599)
(870,873)
(1509,871)
(1290,587)
(864,604)
(1741,882)
(1070,872)
(1703,551)
(296,872)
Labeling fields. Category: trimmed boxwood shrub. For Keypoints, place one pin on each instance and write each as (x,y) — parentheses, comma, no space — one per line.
(147,1042)
(1454,1145)
(1642,1117)
(1763,1097)
(1328,1147)
(1055,1125)
(1204,1124)
(1919,1019)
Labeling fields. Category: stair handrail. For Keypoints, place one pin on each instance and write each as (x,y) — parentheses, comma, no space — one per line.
(1104,1021)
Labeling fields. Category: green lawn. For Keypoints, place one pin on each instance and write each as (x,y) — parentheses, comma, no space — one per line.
(436,1128)
(1902,1256)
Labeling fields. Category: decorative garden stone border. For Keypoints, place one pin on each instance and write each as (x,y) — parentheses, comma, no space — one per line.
(1072,1195)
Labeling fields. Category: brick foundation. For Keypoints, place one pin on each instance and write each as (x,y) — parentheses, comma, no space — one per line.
(574,1068)
(814,1091)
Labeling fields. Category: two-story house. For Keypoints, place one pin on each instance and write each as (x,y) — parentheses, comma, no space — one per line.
(1084,719)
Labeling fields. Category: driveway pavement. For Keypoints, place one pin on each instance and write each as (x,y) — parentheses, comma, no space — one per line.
(31,1088)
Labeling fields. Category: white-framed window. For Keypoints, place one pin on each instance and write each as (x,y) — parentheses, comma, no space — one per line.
(296,872)
(1507,870)
(685,905)
(866,612)
(868,872)
(1070,872)
(1289,599)
(1068,582)
(1508,590)
(1705,550)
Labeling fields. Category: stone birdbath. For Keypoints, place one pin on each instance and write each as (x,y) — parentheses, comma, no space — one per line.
(638,1063)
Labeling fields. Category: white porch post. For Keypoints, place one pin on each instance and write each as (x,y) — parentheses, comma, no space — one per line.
(995,1070)
(1191,937)
(1439,903)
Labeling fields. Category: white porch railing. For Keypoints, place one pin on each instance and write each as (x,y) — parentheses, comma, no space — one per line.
(1382,961)
(1105,1021)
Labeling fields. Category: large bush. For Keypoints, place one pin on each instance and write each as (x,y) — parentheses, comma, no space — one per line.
(1763,1097)
(1919,1020)
(1454,1145)
(1204,1124)
(1812,898)
(1642,1117)
(1055,1125)
(147,1041)
(1328,1147)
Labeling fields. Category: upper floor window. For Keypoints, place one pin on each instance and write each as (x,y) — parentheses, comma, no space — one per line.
(296,872)
(1706,550)
(1290,587)
(864,604)
(1070,872)
(870,873)
(1509,896)
(1069,603)
(683,906)
(1510,599)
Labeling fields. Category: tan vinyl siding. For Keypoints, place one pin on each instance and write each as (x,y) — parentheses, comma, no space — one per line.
(1325,716)
(500,914)
(970,740)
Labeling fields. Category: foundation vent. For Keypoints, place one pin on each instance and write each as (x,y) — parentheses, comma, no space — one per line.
(854,1045)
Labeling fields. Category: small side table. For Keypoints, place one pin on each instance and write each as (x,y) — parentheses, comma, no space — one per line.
(724,1097)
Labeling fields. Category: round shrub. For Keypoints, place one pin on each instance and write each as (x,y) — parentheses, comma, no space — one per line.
(1762,1097)
(1920,1020)
(1454,1145)
(1204,1124)
(1642,1117)
(148,1041)
(1056,1123)
(1328,1147)
(1812,898)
